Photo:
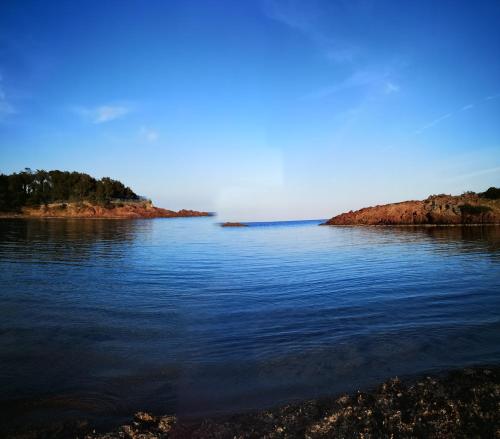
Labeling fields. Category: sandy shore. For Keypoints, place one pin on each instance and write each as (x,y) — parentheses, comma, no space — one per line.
(460,404)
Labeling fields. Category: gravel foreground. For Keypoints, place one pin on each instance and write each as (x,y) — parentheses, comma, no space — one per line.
(461,404)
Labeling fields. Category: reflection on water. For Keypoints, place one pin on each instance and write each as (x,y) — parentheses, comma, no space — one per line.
(102,318)
(65,240)
(463,239)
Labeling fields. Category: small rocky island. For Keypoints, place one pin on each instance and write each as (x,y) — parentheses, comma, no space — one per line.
(234,224)
(468,208)
(62,194)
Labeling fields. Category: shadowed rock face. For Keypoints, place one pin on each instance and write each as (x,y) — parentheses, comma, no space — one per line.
(114,210)
(437,209)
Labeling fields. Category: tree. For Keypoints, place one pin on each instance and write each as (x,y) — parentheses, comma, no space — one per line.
(41,187)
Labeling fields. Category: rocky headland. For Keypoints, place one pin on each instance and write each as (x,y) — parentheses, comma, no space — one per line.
(468,208)
(85,209)
(65,194)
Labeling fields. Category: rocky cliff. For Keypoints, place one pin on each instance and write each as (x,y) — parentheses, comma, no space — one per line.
(140,209)
(469,208)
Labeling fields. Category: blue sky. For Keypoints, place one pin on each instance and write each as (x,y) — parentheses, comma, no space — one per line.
(256,109)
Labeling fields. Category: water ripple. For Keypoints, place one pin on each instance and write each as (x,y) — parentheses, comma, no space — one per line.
(109,317)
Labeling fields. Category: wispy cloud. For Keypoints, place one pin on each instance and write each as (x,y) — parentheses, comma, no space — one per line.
(149,134)
(324,24)
(390,87)
(434,123)
(448,115)
(103,113)
(491,97)
(305,17)
(477,173)
(360,78)
(341,53)
(6,107)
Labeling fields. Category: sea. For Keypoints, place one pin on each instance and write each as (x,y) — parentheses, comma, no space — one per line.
(102,318)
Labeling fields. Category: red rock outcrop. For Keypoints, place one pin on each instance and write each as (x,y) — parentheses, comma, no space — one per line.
(436,209)
(142,209)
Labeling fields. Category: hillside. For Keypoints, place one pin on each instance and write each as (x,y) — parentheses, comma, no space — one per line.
(63,194)
(468,208)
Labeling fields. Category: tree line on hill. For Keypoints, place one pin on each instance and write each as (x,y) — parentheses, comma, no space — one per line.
(493,193)
(34,188)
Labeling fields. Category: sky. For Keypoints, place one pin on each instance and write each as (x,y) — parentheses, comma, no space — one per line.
(258,110)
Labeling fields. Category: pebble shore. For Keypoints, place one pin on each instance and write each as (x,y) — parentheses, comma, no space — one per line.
(461,404)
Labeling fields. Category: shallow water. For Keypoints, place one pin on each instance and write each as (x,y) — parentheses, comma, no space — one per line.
(101,318)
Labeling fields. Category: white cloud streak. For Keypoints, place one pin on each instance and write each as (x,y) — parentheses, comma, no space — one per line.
(6,108)
(103,113)
(476,173)
(323,29)
(390,87)
(304,18)
(360,78)
(434,122)
(149,134)
(448,115)
(491,97)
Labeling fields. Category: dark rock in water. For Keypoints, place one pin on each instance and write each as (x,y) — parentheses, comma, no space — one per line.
(228,224)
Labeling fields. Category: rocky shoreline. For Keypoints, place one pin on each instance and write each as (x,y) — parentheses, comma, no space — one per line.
(466,209)
(114,210)
(460,404)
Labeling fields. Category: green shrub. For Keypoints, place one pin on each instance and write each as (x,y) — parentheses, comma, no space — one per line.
(470,209)
(493,193)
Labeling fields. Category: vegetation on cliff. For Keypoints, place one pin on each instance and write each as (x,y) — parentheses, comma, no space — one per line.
(468,208)
(35,188)
(62,194)
(493,193)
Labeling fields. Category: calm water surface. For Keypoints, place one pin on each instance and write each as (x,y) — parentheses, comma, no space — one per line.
(101,318)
